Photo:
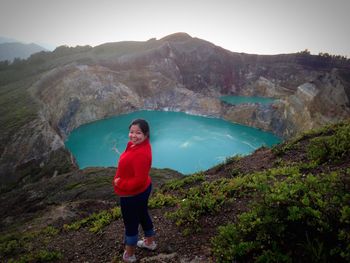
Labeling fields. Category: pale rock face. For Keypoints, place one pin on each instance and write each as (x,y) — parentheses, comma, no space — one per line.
(316,104)
(265,117)
(83,95)
(321,101)
(266,88)
(307,91)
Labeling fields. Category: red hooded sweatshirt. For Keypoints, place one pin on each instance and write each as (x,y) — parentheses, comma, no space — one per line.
(133,169)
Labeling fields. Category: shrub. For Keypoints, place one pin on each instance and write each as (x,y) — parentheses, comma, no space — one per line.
(204,199)
(20,245)
(302,216)
(176,184)
(9,246)
(159,200)
(50,231)
(330,147)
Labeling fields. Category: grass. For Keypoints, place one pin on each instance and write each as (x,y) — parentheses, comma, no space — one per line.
(93,181)
(19,247)
(17,108)
(177,184)
(96,221)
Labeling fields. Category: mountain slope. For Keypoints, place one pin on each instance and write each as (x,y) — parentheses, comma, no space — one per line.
(6,40)
(10,51)
(288,204)
(48,95)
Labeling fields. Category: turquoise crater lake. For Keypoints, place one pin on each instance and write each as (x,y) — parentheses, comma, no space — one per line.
(182,142)
(235,100)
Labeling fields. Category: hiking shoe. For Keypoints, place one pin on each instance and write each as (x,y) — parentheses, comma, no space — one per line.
(127,258)
(142,244)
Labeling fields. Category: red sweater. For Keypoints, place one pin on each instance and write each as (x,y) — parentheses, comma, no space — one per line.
(133,169)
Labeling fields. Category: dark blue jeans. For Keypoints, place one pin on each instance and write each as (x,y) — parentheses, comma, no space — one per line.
(135,212)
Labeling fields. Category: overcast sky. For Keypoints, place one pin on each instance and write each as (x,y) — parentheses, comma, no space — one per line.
(250,26)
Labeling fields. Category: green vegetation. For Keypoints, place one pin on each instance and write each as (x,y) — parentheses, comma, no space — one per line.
(302,215)
(296,211)
(40,256)
(17,108)
(328,133)
(19,247)
(124,48)
(227,161)
(208,198)
(97,221)
(159,200)
(177,184)
(93,181)
(161,176)
(200,200)
(330,147)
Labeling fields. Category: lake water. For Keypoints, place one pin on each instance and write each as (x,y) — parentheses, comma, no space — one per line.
(246,99)
(182,142)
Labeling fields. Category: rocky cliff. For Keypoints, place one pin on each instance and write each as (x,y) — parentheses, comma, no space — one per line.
(73,86)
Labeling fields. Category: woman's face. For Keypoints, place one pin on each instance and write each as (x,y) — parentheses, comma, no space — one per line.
(136,135)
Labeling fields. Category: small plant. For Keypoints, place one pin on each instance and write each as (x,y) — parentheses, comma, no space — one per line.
(228,160)
(50,231)
(159,200)
(40,256)
(10,246)
(330,147)
(96,221)
(204,199)
(299,215)
(177,184)
(20,246)
(280,149)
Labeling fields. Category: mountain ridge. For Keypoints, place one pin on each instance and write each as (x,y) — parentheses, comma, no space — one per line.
(190,75)
(11,50)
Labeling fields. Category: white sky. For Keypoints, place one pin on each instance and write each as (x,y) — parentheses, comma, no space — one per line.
(250,26)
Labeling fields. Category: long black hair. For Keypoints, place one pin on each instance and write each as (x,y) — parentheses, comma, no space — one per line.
(143,124)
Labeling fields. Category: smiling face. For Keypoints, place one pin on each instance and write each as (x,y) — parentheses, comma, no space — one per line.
(136,135)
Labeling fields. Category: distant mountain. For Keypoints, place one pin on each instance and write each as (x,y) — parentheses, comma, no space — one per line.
(11,50)
(7,40)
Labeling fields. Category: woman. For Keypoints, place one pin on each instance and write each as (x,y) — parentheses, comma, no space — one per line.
(133,184)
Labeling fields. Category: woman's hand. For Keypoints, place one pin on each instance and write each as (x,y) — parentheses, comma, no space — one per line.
(116,180)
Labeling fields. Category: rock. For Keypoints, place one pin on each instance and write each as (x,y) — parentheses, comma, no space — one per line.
(315,104)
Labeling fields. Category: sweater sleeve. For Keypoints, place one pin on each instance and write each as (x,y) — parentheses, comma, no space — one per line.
(141,167)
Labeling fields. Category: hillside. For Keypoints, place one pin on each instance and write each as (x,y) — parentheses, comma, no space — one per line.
(48,95)
(7,40)
(10,51)
(286,204)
